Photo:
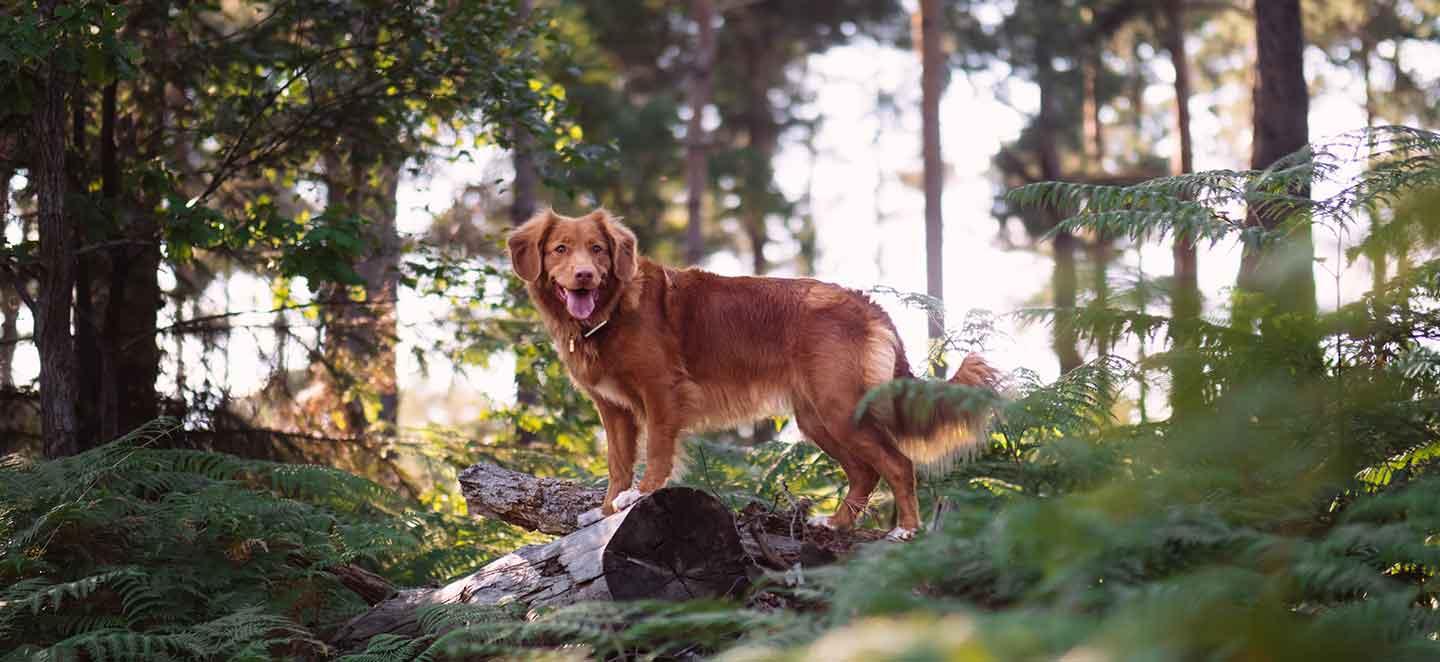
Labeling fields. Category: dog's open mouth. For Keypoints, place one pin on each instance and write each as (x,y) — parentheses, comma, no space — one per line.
(580,303)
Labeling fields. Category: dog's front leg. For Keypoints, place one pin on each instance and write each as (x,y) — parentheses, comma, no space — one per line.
(662,426)
(620,440)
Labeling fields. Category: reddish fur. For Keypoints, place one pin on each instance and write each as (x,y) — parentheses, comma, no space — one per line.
(687,349)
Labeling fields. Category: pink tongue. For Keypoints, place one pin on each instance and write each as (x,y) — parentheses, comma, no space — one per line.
(580,304)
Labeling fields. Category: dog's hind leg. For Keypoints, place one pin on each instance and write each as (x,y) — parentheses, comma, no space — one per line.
(871,448)
(861,476)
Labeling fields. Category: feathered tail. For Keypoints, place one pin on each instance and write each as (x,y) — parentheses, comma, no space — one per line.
(933,423)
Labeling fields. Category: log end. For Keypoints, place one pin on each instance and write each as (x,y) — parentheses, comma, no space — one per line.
(676,544)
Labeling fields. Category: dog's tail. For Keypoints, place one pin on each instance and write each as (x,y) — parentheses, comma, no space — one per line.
(933,423)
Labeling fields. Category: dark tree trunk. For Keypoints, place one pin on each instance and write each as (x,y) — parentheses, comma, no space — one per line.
(90,287)
(9,296)
(1187,383)
(1282,271)
(131,344)
(523,205)
(932,65)
(762,66)
(1063,280)
(697,170)
(57,254)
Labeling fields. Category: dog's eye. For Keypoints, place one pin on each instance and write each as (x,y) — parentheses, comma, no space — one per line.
(560,249)
(596,248)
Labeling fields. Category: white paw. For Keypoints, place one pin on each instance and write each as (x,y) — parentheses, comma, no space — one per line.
(900,534)
(628,498)
(589,517)
(822,521)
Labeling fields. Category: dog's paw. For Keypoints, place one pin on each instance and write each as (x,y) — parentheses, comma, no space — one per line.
(900,534)
(628,498)
(589,517)
(822,521)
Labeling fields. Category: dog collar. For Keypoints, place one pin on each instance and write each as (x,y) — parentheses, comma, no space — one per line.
(589,333)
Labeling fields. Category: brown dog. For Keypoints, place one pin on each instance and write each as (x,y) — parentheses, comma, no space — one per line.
(662,351)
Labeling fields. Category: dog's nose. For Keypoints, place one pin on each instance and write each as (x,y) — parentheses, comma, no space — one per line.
(585,276)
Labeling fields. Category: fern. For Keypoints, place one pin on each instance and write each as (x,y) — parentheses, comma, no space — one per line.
(128,551)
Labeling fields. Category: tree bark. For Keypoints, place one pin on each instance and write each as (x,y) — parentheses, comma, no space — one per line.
(697,167)
(547,505)
(932,65)
(1282,271)
(676,544)
(57,253)
(9,295)
(775,539)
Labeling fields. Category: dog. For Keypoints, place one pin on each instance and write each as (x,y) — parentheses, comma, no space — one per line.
(663,351)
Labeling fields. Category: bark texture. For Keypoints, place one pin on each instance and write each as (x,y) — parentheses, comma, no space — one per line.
(548,505)
(57,252)
(676,544)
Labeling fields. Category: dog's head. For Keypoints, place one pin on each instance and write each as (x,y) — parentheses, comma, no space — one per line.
(580,261)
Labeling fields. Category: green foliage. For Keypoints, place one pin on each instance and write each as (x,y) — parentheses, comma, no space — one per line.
(633,630)
(1292,517)
(132,552)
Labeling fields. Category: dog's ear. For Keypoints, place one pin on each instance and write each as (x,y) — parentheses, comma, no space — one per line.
(525,245)
(626,255)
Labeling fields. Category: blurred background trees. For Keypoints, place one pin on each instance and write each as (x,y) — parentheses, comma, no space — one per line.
(234,176)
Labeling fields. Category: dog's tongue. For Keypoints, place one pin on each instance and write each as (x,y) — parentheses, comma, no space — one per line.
(580,304)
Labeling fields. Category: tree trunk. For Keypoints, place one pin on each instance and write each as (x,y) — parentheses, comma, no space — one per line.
(1094,141)
(932,65)
(90,287)
(1281,271)
(360,336)
(129,353)
(762,66)
(1094,128)
(523,192)
(676,544)
(9,295)
(697,167)
(1187,383)
(1063,281)
(57,254)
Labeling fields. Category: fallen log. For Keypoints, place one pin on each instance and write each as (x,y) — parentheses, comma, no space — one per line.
(678,543)
(548,505)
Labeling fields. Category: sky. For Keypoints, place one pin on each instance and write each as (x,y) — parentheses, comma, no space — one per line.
(870,226)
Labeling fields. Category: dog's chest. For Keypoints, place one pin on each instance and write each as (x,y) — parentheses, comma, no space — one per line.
(589,369)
